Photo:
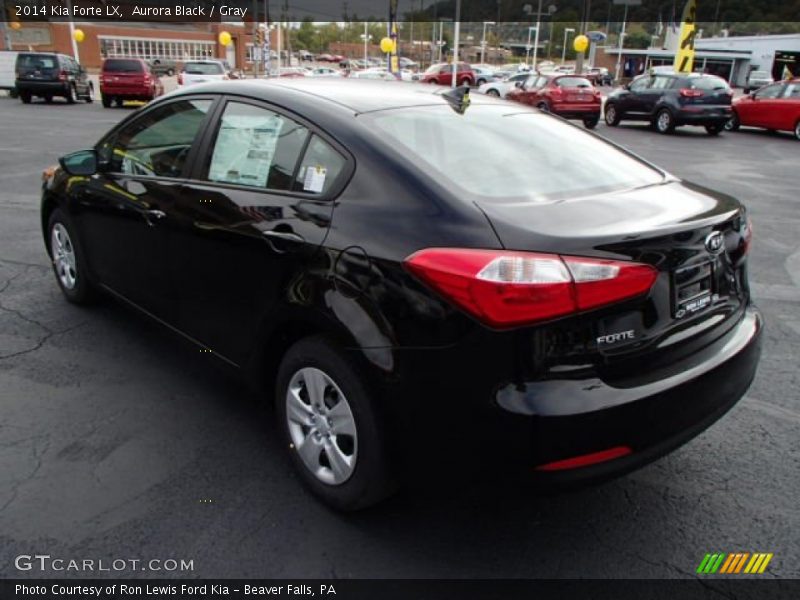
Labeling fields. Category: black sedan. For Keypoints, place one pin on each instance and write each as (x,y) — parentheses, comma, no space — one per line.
(416,280)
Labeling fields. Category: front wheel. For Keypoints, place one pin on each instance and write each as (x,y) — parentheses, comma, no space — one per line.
(664,121)
(591,123)
(25,97)
(542,106)
(330,425)
(612,116)
(493,92)
(69,265)
(89,97)
(797,130)
(714,129)
(733,123)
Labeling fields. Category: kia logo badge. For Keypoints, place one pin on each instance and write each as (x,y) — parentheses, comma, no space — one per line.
(714,242)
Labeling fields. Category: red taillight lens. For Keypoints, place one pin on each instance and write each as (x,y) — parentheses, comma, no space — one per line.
(687,93)
(62,76)
(506,289)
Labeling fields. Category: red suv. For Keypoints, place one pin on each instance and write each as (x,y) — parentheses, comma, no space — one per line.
(569,96)
(443,74)
(128,79)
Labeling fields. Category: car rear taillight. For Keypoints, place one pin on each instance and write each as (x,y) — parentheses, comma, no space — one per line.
(687,93)
(62,75)
(748,236)
(180,78)
(505,289)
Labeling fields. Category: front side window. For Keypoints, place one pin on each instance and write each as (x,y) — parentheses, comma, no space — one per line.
(769,92)
(640,84)
(792,91)
(158,142)
(533,156)
(256,147)
(661,82)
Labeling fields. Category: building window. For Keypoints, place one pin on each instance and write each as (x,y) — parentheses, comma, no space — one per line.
(149,48)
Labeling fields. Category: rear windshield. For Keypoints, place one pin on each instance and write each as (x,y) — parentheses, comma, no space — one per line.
(37,61)
(194,68)
(121,65)
(580,82)
(708,82)
(535,157)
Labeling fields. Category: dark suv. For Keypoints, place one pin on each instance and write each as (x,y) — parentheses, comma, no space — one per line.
(47,74)
(668,100)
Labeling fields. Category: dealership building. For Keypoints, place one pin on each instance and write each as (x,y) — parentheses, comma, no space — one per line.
(168,41)
(732,58)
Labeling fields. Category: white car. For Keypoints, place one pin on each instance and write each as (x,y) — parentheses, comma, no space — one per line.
(200,71)
(383,73)
(483,74)
(501,88)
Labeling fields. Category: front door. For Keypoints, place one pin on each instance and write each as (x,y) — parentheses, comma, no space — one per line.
(248,223)
(123,209)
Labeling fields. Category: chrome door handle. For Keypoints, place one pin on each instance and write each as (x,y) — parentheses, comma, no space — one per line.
(286,236)
(155,213)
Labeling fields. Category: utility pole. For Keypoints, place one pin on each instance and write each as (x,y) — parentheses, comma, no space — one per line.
(257,48)
(587,6)
(456,33)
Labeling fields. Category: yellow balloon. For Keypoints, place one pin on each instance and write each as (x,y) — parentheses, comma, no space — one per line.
(16,25)
(581,43)
(387,45)
(78,35)
(225,38)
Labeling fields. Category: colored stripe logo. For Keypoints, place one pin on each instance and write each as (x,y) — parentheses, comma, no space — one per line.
(735,563)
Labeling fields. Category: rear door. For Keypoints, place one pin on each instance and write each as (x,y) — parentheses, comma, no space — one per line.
(763,106)
(250,221)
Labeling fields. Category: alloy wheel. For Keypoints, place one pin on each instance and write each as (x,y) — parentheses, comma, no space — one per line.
(63,256)
(664,121)
(797,130)
(321,426)
(611,115)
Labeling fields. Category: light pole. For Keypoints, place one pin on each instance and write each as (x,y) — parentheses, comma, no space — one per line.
(483,40)
(366,38)
(441,34)
(536,41)
(567,31)
(456,32)
(621,43)
(528,45)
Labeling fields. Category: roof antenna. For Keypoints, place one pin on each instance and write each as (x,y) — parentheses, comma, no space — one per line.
(458,99)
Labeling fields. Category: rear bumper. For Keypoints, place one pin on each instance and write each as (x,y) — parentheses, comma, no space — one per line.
(451,415)
(704,116)
(42,87)
(576,111)
(128,92)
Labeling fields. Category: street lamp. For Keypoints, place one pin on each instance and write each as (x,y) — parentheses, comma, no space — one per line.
(567,31)
(528,46)
(366,37)
(440,43)
(483,39)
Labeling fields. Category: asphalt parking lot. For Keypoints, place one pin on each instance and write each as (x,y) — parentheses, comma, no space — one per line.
(116,442)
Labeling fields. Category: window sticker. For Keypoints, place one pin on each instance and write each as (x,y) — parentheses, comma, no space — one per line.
(314,180)
(245,149)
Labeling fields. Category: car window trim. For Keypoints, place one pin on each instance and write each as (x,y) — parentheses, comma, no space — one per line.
(188,164)
(200,167)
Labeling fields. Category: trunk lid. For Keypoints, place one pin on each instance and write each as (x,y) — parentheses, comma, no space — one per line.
(695,238)
(38,67)
(123,73)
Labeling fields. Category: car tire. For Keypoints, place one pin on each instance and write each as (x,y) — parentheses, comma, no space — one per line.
(542,106)
(733,123)
(714,129)
(72,95)
(48,98)
(118,102)
(170,72)
(89,97)
(363,476)
(106,100)
(68,261)
(25,97)
(493,92)
(480,82)
(591,123)
(611,115)
(797,130)
(664,121)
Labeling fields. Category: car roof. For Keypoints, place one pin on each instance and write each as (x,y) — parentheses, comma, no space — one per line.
(354,95)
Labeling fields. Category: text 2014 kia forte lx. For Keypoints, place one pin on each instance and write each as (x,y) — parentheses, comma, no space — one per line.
(418,278)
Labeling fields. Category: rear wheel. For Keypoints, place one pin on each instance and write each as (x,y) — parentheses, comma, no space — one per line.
(89,97)
(106,100)
(118,101)
(69,265)
(480,82)
(72,95)
(732,124)
(664,121)
(48,98)
(612,116)
(591,123)
(493,92)
(542,106)
(715,129)
(170,72)
(330,426)
(797,130)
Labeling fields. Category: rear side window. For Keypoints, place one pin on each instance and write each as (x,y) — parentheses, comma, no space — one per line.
(320,168)
(661,82)
(194,68)
(256,147)
(158,142)
(121,65)
(568,82)
(37,61)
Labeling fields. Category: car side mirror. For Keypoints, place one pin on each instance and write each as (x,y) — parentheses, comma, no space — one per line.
(83,162)
(517,84)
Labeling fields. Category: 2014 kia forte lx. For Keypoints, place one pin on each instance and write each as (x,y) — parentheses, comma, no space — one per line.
(417,278)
